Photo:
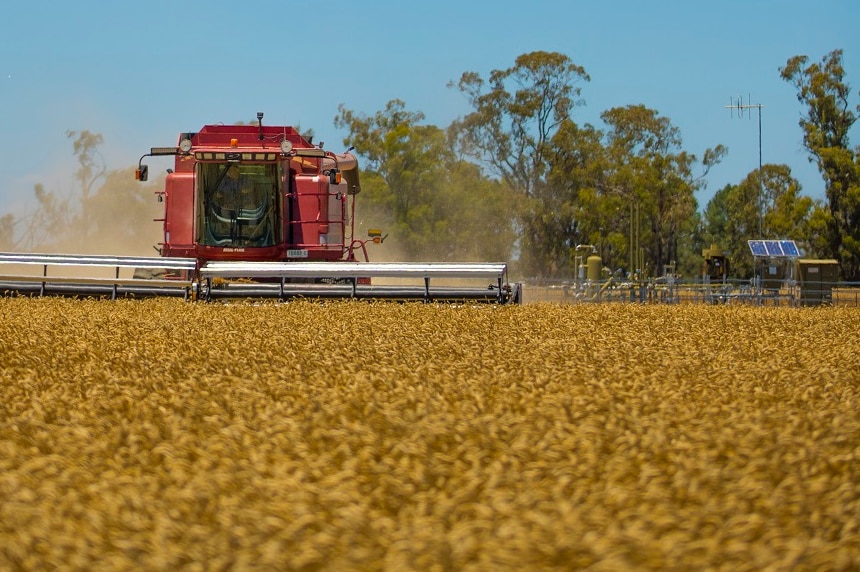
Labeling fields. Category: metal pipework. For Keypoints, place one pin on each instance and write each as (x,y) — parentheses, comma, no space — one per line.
(343,161)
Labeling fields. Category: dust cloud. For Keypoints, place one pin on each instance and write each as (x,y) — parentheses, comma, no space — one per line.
(116,220)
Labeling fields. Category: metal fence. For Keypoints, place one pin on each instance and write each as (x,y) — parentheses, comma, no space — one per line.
(671,291)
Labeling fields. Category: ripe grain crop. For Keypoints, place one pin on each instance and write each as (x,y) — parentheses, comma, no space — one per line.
(165,435)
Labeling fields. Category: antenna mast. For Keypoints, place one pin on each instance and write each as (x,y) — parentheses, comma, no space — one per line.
(741,107)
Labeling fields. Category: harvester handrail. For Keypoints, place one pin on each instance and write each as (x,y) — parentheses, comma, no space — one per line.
(99,260)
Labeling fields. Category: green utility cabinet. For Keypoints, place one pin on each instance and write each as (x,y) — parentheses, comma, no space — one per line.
(816,279)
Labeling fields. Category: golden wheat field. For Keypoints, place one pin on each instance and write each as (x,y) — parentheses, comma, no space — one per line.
(165,435)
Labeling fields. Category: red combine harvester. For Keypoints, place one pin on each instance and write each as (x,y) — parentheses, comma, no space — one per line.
(260,211)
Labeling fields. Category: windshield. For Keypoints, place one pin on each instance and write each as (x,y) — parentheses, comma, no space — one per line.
(238,204)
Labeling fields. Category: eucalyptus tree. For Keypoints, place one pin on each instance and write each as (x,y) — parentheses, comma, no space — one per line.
(515,113)
(822,89)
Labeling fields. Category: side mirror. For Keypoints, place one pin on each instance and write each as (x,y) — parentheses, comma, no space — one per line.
(142,173)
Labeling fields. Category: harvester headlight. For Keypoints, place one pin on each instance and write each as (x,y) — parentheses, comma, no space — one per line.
(286,146)
(185,145)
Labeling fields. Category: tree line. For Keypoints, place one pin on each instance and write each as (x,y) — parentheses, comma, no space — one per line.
(518,179)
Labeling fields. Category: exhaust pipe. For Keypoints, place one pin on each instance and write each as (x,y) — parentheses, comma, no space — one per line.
(346,163)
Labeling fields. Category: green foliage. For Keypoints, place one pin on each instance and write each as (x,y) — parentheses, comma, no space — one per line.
(594,183)
(514,120)
(438,207)
(649,168)
(515,114)
(821,87)
(716,219)
(786,210)
(476,213)
(571,210)
(628,191)
(766,204)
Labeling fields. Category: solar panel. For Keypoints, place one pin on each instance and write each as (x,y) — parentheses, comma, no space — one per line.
(773,247)
(789,248)
(757,247)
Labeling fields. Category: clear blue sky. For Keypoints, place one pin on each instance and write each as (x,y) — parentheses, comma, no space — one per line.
(141,72)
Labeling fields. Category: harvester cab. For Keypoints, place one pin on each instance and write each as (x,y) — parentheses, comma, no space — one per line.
(247,192)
